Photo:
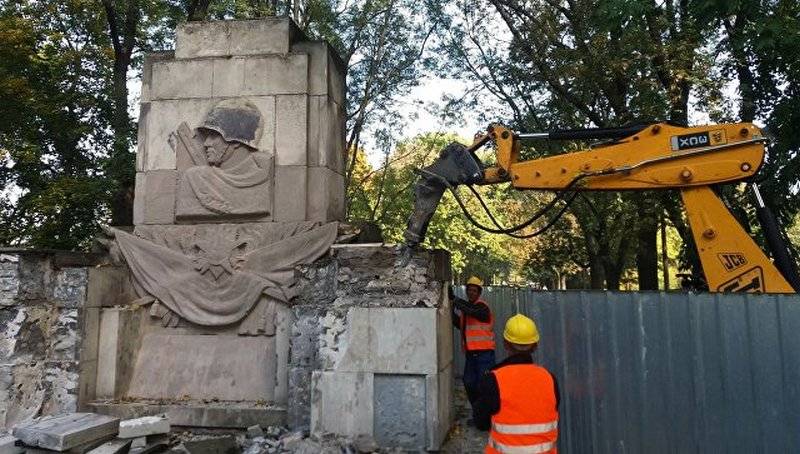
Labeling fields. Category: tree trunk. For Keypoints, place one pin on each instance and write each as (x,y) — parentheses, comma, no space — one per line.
(122,159)
(647,250)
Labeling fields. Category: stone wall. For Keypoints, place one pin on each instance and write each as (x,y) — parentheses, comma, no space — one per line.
(371,348)
(296,85)
(45,355)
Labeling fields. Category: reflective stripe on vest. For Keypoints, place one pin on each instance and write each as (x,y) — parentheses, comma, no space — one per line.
(524,429)
(527,421)
(477,334)
(527,449)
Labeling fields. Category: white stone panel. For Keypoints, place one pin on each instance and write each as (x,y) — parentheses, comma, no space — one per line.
(221,367)
(220,38)
(388,340)
(342,402)
(178,79)
(326,200)
(291,125)
(228,77)
(290,193)
(276,75)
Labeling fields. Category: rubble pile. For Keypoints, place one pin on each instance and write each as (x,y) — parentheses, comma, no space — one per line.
(90,433)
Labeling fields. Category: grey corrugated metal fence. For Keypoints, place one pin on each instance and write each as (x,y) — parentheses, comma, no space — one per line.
(666,372)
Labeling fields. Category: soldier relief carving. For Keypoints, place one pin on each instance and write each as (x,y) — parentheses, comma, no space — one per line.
(215,274)
(228,175)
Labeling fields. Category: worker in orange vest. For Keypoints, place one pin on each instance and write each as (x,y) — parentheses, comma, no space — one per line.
(518,401)
(474,318)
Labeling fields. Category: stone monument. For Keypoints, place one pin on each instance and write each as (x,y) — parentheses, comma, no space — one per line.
(245,311)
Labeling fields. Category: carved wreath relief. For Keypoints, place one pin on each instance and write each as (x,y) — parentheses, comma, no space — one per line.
(229,176)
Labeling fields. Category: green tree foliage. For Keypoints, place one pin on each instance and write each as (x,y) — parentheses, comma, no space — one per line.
(53,127)
(608,62)
(385,196)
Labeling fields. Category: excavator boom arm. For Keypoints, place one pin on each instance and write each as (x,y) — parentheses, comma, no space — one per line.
(656,156)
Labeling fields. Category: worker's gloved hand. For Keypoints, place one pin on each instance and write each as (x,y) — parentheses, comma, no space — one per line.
(450,294)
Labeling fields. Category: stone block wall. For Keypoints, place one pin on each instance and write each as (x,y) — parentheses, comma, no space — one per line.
(298,87)
(371,348)
(49,313)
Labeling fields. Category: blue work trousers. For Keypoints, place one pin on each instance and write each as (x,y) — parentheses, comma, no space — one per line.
(476,364)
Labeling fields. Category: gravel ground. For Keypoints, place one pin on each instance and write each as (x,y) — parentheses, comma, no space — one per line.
(463,437)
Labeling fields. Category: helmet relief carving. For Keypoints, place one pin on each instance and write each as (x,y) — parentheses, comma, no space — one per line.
(226,176)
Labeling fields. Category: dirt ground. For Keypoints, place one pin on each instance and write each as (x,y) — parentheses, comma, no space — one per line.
(463,437)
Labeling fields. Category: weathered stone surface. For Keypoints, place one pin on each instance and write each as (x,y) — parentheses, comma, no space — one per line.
(290,193)
(228,77)
(370,340)
(440,413)
(69,287)
(118,342)
(180,79)
(199,414)
(8,446)
(400,411)
(326,196)
(112,447)
(67,431)
(9,279)
(291,128)
(147,80)
(159,197)
(139,192)
(215,445)
(326,139)
(222,38)
(255,431)
(343,402)
(275,75)
(204,367)
(109,286)
(144,426)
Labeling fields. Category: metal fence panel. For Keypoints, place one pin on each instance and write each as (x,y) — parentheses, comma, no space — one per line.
(665,372)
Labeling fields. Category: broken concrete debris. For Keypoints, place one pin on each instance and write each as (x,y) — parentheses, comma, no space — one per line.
(255,432)
(141,427)
(118,446)
(8,445)
(61,433)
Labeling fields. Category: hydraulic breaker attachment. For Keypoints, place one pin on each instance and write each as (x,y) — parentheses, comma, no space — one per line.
(456,165)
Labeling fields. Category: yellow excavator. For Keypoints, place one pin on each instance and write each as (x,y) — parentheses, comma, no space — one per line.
(637,157)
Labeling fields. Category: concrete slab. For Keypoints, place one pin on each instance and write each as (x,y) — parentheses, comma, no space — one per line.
(400,411)
(342,402)
(8,446)
(275,75)
(118,342)
(290,193)
(228,77)
(112,447)
(326,201)
(199,414)
(398,340)
(215,445)
(144,426)
(180,79)
(232,368)
(159,196)
(61,433)
(244,37)
(291,127)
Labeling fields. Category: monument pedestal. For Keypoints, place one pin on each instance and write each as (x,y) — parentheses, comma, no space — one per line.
(245,311)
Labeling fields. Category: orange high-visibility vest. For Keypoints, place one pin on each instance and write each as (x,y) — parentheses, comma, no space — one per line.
(478,335)
(528,418)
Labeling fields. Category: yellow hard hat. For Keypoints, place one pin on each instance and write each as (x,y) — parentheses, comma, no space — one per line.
(521,330)
(475,280)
